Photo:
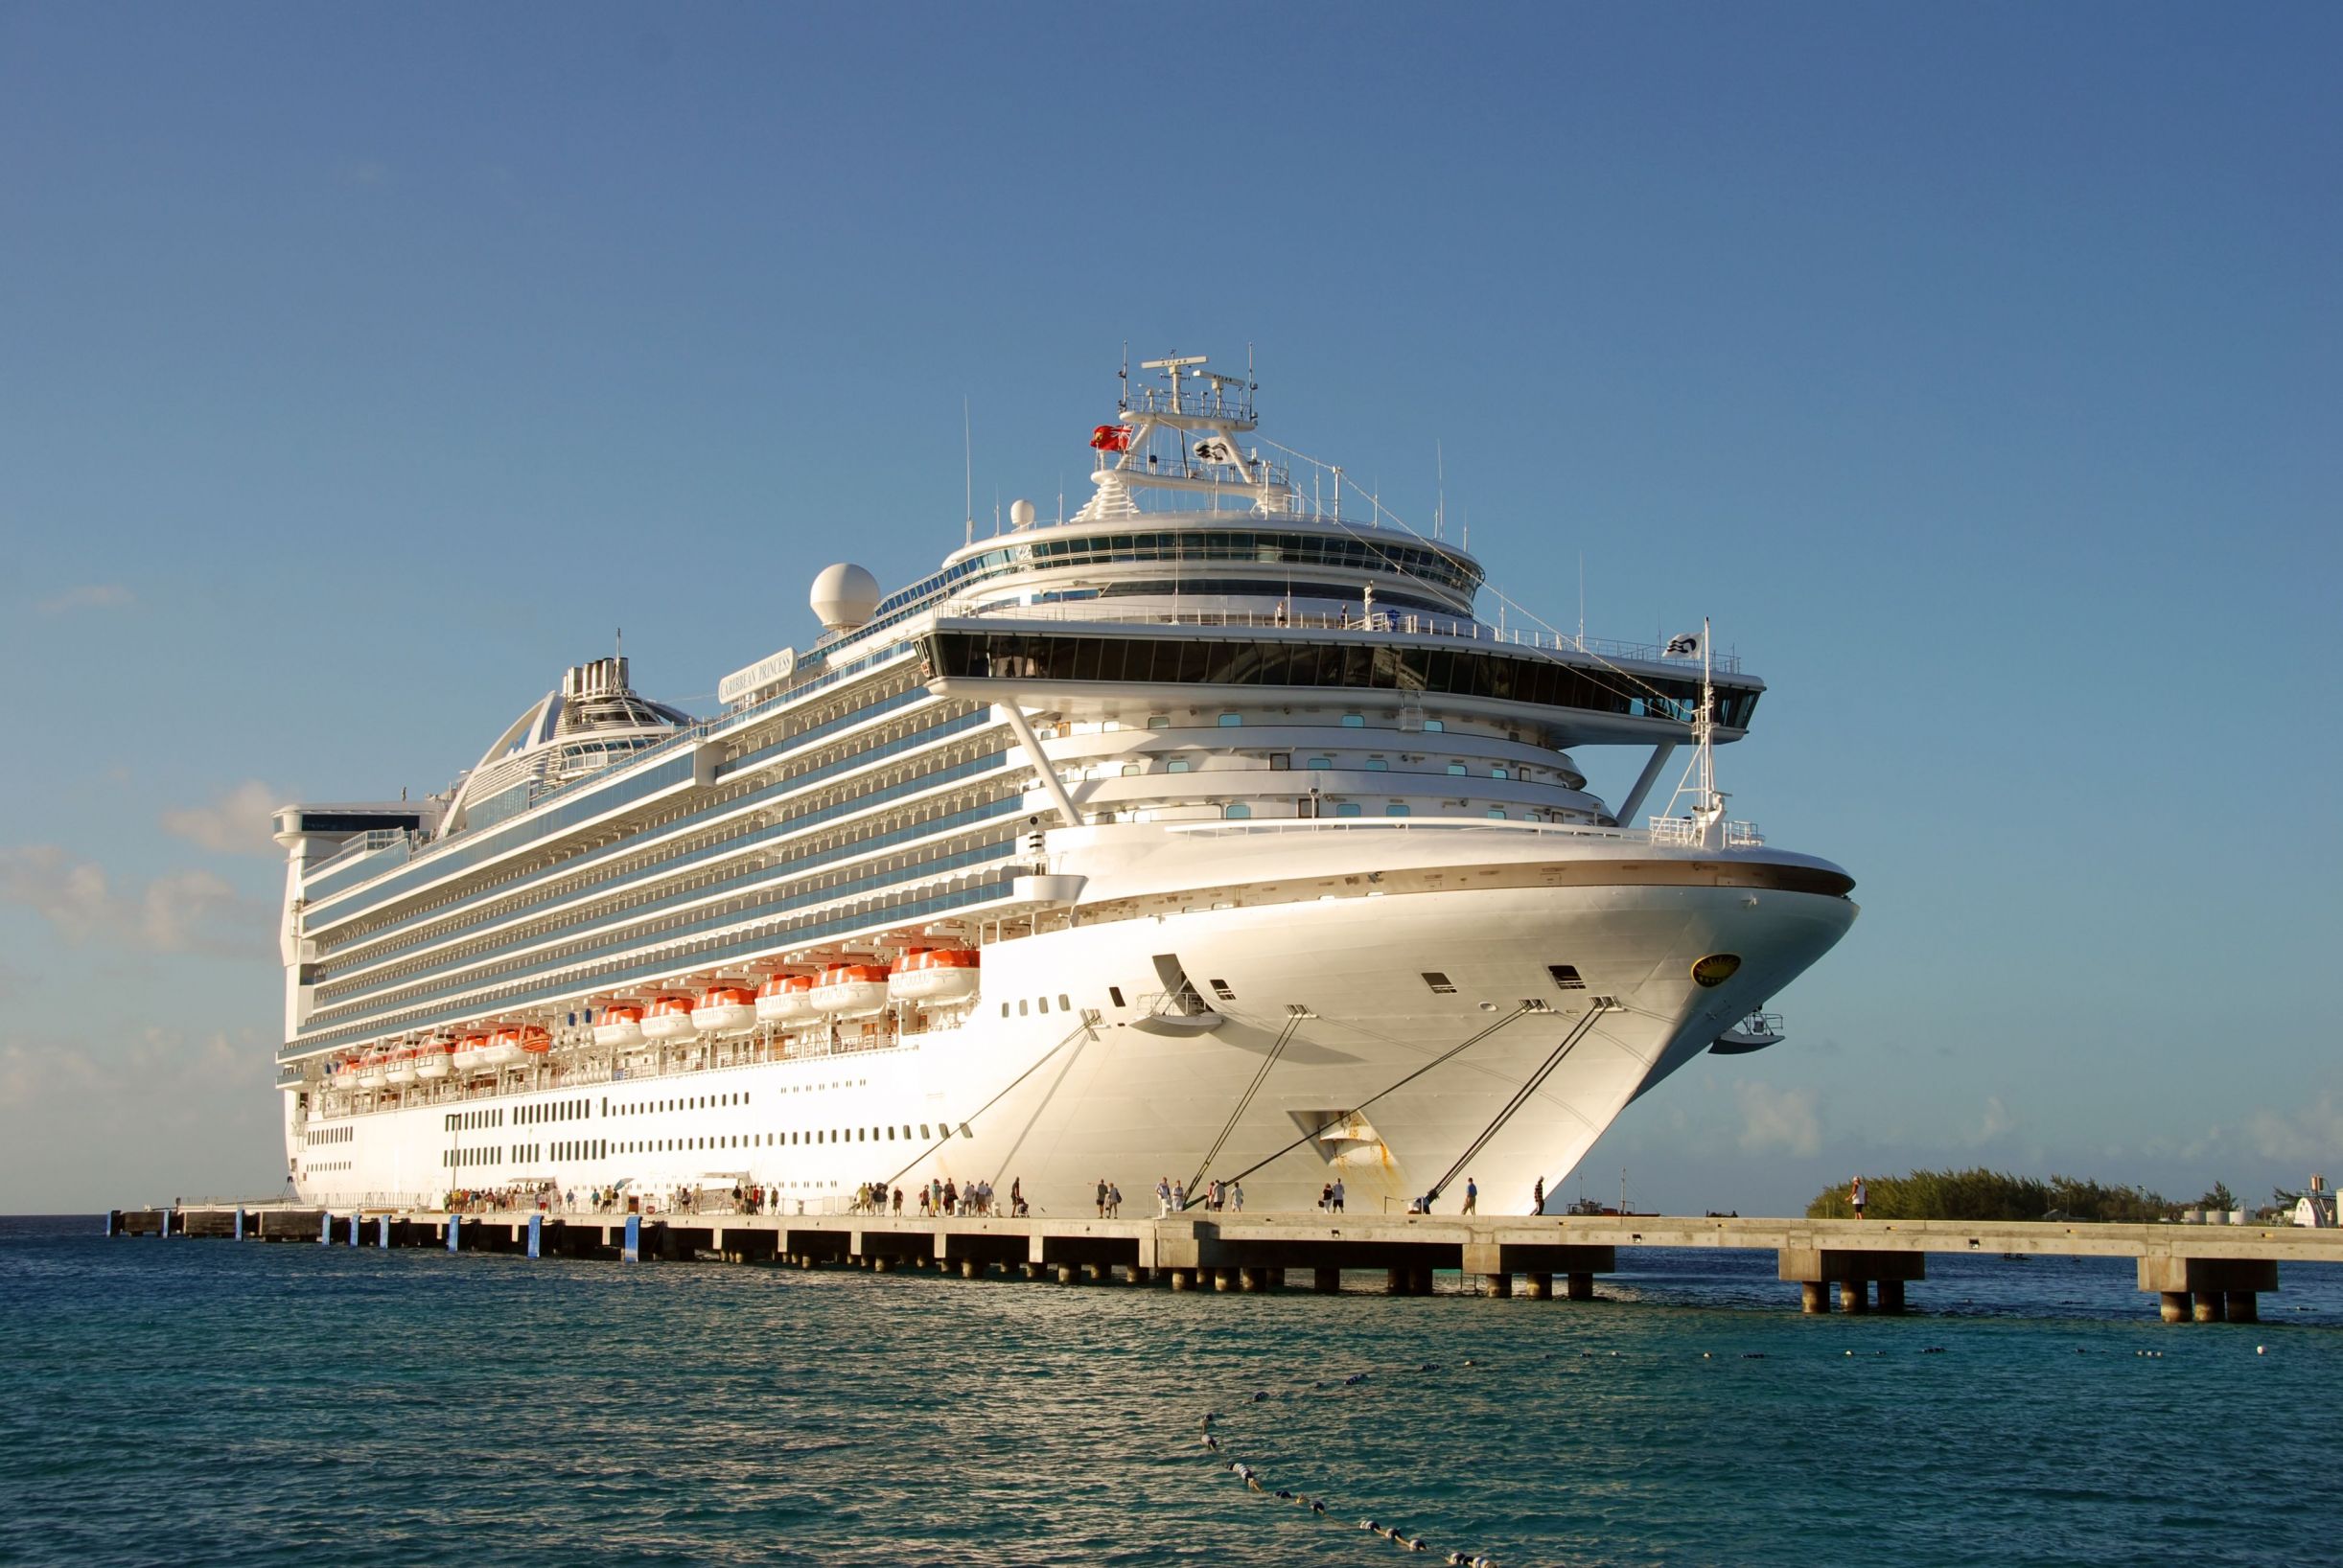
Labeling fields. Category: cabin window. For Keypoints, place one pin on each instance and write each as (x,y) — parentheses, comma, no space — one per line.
(1397,808)
(1435,725)
(1115,992)
(1281,761)
(1456,768)
(1045,1004)
(1131,769)
(1158,721)
(1440,983)
(1565,977)
(1064,1006)
(1496,814)
(923,1132)
(1236,811)
(1321,762)
(1021,1008)
(1347,808)
(1354,721)
(1498,772)
(1231,721)
(1177,764)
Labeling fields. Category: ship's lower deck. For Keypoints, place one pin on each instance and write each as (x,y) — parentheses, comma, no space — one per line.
(1446,1020)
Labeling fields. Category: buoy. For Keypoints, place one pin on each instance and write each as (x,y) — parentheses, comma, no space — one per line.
(1259,1397)
(2261,1349)
(1211,1442)
(1354,1378)
(1704,1356)
(1283,1493)
(1317,1508)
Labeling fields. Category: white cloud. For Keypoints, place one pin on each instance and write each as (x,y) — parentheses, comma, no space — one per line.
(1779,1118)
(240,822)
(2305,1137)
(89,596)
(185,912)
(1995,1121)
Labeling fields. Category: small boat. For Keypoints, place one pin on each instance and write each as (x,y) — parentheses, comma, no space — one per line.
(785,998)
(936,973)
(434,1061)
(472,1055)
(401,1070)
(536,1039)
(670,1019)
(620,1025)
(851,990)
(345,1073)
(724,1009)
(371,1073)
(503,1045)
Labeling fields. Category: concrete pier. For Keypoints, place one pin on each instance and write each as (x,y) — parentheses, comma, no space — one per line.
(2197,1273)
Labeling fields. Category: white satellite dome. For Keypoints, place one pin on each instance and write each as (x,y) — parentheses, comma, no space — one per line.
(844,597)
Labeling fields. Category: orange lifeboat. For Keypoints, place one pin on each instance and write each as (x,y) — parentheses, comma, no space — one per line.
(371,1071)
(505,1045)
(724,1009)
(434,1061)
(936,974)
(346,1073)
(401,1070)
(621,1025)
(851,990)
(472,1053)
(785,998)
(670,1019)
(535,1039)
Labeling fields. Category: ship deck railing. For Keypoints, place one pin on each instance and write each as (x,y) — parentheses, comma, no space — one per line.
(1400,622)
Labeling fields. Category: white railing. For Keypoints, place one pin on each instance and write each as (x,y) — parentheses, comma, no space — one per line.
(1689,833)
(1398,824)
(1416,623)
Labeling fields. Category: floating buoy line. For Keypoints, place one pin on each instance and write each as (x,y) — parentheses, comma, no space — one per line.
(1320,1507)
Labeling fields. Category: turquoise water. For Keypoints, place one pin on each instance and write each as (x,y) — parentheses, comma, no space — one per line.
(205,1402)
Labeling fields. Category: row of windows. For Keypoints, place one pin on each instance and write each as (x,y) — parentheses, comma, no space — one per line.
(1005,799)
(1379,665)
(603,1148)
(426,922)
(925,864)
(558,1110)
(710,952)
(327,1135)
(474,1120)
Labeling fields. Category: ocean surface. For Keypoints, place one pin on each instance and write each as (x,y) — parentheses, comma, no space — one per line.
(204,1402)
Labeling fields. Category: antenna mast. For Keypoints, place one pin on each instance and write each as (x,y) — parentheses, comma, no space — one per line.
(1440,491)
(968,457)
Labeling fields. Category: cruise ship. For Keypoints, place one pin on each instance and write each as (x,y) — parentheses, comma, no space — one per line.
(1208,834)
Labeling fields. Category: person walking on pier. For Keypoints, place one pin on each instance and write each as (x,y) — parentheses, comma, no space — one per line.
(1114,1201)
(1857,1195)
(1471,1197)
(1236,1197)
(898,1203)
(1338,1194)
(1102,1197)
(1163,1196)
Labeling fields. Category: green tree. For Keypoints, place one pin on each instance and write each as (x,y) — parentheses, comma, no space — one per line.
(1981,1194)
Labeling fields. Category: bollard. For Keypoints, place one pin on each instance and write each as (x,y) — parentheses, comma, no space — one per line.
(630,1251)
(537,1236)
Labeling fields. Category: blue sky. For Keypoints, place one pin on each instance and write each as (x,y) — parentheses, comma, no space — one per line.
(1974,368)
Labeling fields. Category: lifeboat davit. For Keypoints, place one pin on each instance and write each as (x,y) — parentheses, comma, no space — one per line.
(724,1009)
(621,1025)
(434,1061)
(851,990)
(402,1068)
(535,1039)
(670,1019)
(503,1047)
(785,998)
(472,1053)
(938,973)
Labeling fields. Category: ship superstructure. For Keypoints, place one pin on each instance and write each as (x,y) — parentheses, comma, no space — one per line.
(1207,832)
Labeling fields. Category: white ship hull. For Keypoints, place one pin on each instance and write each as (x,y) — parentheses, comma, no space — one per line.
(1117,1102)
